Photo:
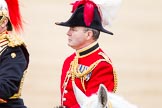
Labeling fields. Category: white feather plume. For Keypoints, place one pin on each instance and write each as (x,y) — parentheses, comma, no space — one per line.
(3,5)
(3,8)
(107,9)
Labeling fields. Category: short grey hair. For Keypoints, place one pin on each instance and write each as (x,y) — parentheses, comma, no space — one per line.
(96,33)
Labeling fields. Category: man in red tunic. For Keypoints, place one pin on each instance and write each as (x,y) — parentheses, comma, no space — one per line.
(88,66)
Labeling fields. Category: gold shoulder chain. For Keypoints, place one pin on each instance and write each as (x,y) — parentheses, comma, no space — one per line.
(14,40)
(76,73)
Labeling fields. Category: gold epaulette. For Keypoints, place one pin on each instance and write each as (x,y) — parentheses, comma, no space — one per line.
(13,40)
(105,57)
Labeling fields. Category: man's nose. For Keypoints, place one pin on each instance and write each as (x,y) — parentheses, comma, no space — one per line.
(68,33)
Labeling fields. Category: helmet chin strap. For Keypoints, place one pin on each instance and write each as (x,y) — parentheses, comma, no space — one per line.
(2,19)
(3,27)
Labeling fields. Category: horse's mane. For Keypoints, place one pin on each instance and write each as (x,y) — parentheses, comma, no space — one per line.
(119,102)
(101,99)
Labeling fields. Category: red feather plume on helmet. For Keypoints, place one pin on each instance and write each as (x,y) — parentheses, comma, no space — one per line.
(88,10)
(14,14)
(106,8)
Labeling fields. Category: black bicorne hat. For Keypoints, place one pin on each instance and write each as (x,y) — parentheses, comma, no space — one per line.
(77,19)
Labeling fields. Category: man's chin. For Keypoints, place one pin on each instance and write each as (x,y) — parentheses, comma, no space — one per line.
(72,46)
(69,45)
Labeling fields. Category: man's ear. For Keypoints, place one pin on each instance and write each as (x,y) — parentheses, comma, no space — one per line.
(89,34)
(4,23)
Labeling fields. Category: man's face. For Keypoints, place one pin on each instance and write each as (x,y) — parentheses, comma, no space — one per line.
(77,37)
(1,29)
(3,26)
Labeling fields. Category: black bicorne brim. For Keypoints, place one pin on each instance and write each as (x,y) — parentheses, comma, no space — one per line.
(77,19)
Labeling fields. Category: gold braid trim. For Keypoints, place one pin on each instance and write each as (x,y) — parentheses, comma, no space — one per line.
(115,81)
(109,104)
(74,71)
(4,13)
(114,72)
(18,94)
(2,19)
(13,40)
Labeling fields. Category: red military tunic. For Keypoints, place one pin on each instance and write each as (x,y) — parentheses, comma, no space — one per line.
(100,71)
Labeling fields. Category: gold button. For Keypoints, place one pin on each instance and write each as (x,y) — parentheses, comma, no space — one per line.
(13,55)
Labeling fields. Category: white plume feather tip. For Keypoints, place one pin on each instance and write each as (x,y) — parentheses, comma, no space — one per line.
(107,10)
(3,5)
(3,8)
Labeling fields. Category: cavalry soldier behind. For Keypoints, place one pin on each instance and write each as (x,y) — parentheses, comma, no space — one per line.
(88,66)
(14,57)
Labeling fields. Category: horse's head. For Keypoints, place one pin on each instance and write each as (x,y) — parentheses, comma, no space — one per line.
(98,100)
(103,99)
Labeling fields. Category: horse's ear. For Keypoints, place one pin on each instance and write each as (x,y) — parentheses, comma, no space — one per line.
(102,95)
(79,95)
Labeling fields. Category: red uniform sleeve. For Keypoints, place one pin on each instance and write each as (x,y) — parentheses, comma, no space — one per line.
(102,74)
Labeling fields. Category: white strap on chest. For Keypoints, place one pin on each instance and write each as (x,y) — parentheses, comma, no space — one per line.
(3,45)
